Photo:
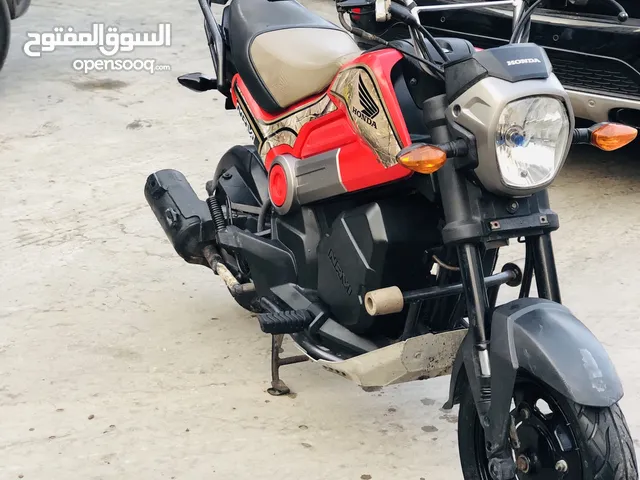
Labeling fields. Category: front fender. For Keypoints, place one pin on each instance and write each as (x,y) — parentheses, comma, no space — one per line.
(546,340)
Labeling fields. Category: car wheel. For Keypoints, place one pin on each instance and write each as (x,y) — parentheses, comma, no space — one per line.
(5,31)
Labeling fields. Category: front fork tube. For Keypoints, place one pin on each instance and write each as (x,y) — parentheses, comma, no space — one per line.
(478,311)
(539,259)
(545,268)
(472,275)
(494,411)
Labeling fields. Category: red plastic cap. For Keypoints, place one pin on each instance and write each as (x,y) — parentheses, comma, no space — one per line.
(278,185)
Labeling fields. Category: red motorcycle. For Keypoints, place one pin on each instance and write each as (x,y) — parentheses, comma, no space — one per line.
(366,219)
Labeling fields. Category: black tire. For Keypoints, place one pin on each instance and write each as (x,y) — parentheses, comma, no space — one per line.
(5,31)
(597,442)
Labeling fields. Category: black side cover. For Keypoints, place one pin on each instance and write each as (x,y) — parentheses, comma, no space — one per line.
(377,245)
(300,232)
(270,262)
(246,19)
(513,63)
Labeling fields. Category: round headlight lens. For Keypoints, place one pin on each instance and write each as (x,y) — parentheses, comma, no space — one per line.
(531,141)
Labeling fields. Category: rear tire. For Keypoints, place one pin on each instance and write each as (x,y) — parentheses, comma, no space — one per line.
(5,31)
(595,443)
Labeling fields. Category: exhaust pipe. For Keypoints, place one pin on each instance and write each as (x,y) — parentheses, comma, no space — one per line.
(198,232)
(185,218)
(190,224)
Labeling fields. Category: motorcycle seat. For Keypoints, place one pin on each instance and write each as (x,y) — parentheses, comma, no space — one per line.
(284,52)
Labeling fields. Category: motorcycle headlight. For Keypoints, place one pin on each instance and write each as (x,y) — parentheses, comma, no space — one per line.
(532,137)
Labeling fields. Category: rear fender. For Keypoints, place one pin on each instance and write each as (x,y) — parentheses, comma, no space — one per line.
(242,176)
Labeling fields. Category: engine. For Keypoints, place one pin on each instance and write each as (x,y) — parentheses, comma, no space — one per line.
(369,247)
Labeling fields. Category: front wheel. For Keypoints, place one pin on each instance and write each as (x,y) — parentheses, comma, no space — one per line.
(559,439)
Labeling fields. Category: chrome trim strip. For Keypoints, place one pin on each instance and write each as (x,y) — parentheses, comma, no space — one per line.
(318,177)
(553,17)
(338,169)
(309,180)
(460,6)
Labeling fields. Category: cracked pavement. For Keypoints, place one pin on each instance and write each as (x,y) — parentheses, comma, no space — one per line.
(118,360)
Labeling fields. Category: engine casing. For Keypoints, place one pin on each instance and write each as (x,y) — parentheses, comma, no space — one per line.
(368,248)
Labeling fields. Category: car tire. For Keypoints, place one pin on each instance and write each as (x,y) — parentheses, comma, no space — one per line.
(5,31)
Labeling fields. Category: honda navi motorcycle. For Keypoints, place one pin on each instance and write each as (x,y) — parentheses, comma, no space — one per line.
(366,219)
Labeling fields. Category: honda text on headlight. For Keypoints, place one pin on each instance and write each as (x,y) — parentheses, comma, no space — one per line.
(519,114)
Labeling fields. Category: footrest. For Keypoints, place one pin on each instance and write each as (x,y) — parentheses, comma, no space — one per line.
(279,323)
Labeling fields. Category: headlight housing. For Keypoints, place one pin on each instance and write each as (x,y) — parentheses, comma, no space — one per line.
(532,136)
(520,131)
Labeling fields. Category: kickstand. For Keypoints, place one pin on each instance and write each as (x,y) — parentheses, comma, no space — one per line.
(278,387)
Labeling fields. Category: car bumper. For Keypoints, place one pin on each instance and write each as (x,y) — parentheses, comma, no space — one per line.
(599,108)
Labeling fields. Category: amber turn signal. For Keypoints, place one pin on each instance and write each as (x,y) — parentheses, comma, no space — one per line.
(422,158)
(612,136)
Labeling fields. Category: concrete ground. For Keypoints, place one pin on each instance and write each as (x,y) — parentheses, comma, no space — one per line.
(120,361)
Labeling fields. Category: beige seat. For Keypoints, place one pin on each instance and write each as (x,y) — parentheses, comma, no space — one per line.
(283,51)
(296,63)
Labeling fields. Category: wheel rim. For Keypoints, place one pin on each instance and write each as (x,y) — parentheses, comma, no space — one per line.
(548,447)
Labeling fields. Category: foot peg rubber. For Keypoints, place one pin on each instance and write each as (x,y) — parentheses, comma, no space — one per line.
(285,322)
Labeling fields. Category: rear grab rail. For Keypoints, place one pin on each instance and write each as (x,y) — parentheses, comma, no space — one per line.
(215,40)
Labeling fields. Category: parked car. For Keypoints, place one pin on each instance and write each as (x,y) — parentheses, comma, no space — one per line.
(9,10)
(595,56)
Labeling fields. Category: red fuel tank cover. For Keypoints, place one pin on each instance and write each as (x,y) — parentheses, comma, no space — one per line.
(278,185)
